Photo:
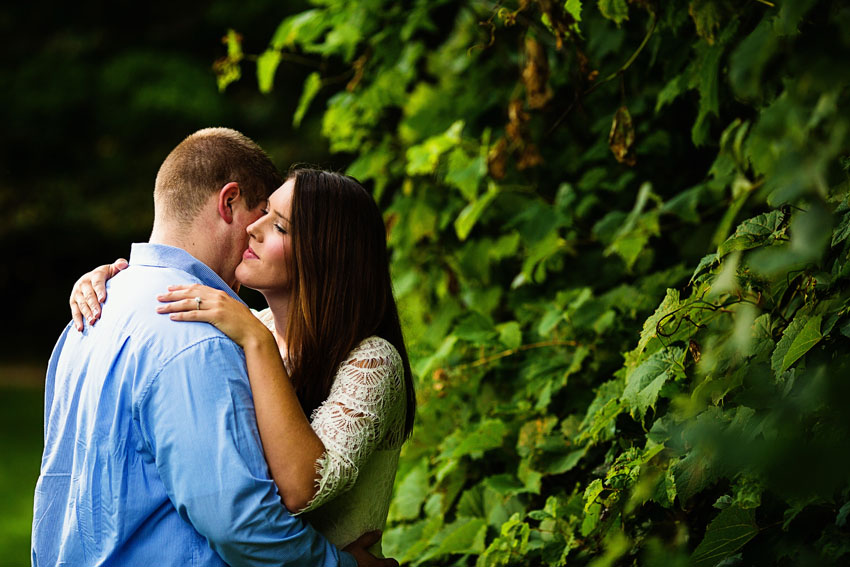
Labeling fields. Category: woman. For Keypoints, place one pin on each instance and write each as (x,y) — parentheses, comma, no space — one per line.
(329,346)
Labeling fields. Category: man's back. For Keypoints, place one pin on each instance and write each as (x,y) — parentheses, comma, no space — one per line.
(151,449)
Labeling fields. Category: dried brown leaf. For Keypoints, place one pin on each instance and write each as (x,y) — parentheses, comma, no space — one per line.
(621,139)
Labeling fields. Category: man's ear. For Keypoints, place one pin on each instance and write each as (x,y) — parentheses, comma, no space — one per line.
(227,197)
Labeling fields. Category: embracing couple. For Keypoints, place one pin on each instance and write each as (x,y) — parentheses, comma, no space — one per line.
(176,429)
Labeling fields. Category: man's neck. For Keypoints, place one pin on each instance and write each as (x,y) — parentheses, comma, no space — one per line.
(203,250)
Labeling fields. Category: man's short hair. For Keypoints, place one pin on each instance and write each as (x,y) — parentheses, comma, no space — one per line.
(205,162)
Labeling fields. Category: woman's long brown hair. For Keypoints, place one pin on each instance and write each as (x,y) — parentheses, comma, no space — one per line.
(342,292)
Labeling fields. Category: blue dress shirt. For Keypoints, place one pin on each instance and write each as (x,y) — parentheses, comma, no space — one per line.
(151,451)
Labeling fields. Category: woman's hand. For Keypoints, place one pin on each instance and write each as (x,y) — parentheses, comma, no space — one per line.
(90,291)
(202,303)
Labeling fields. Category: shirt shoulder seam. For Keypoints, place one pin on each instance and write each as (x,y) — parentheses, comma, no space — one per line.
(146,390)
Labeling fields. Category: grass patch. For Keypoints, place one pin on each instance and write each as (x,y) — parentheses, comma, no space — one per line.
(21,419)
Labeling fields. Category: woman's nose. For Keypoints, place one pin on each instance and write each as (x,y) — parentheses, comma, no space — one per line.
(253,229)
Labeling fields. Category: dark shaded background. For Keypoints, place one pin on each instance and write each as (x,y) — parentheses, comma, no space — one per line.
(93,98)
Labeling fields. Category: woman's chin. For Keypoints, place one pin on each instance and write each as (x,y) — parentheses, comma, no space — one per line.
(243,274)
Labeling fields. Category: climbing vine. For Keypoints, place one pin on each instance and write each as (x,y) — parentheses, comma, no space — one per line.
(620,246)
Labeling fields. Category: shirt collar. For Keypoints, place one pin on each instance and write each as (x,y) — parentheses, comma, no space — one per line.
(162,256)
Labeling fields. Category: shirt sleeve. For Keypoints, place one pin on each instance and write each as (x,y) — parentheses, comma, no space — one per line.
(360,412)
(198,424)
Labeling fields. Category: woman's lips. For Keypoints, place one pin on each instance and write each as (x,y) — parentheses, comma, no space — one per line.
(249,254)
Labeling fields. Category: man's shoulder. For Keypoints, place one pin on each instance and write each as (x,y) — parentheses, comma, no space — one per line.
(131,306)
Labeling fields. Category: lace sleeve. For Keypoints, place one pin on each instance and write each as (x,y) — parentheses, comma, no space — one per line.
(363,411)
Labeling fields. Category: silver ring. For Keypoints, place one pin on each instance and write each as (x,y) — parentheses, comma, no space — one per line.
(198,301)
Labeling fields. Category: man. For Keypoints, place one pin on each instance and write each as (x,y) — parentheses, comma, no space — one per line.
(152,455)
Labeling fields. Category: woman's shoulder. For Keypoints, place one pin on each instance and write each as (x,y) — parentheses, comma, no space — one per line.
(375,351)
(265,316)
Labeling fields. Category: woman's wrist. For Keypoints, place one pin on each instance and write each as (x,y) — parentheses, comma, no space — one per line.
(260,341)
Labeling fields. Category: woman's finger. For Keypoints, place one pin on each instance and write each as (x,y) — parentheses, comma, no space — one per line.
(176,295)
(97,277)
(76,316)
(91,301)
(191,315)
(98,285)
(117,266)
(179,305)
(178,292)
(82,304)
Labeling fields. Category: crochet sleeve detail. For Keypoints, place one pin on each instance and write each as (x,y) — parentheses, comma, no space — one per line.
(363,413)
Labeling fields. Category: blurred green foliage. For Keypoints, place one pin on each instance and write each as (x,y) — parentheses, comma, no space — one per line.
(93,99)
(620,243)
(20,440)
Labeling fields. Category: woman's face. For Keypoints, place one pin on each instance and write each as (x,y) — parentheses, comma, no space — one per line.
(265,264)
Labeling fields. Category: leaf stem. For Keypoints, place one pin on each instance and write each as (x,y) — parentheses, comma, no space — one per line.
(653,20)
(512,351)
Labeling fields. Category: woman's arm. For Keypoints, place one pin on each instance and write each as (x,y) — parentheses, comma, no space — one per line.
(291,446)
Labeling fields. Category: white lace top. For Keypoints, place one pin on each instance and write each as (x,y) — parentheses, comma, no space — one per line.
(361,425)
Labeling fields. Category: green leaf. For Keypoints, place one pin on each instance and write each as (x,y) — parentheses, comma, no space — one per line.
(465,172)
(784,345)
(303,28)
(592,492)
(842,231)
(267,64)
(753,232)
(563,463)
(475,328)
(397,541)
(691,475)
(644,383)
(841,517)
(228,70)
(488,434)
(470,214)
(411,493)
(726,534)
(504,484)
(707,16)
(704,264)
(511,542)
(466,535)
(510,334)
(671,91)
(668,305)
(707,70)
(598,423)
(573,8)
(550,320)
(749,59)
(803,337)
(312,84)
(234,45)
(427,531)
(373,165)
(684,205)
(614,10)
(423,158)
(787,22)
(534,265)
